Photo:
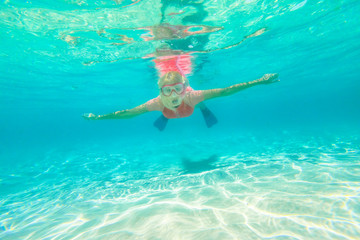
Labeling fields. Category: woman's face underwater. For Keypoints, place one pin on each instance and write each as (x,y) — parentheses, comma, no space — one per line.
(173,99)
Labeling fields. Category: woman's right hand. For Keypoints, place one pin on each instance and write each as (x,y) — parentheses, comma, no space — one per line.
(89,116)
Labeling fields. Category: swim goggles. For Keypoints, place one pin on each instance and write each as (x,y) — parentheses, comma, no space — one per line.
(178,88)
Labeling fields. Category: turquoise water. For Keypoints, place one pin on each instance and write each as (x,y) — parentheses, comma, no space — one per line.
(281,163)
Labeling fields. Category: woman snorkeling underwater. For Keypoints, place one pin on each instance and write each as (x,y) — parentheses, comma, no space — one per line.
(176,98)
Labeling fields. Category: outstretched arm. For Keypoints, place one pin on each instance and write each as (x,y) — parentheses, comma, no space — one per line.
(124,114)
(222,92)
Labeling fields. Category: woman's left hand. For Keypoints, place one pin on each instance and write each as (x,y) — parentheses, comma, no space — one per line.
(270,78)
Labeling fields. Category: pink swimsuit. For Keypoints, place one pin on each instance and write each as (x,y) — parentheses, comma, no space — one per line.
(185,109)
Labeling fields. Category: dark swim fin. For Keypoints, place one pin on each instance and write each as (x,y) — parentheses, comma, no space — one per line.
(209,117)
(161,122)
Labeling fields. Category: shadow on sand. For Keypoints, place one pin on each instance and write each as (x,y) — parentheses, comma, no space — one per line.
(191,166)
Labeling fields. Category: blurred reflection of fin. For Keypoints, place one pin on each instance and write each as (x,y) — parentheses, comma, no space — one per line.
(199,166)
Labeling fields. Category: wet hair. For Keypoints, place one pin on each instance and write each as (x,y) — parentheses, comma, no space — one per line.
(170,76)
